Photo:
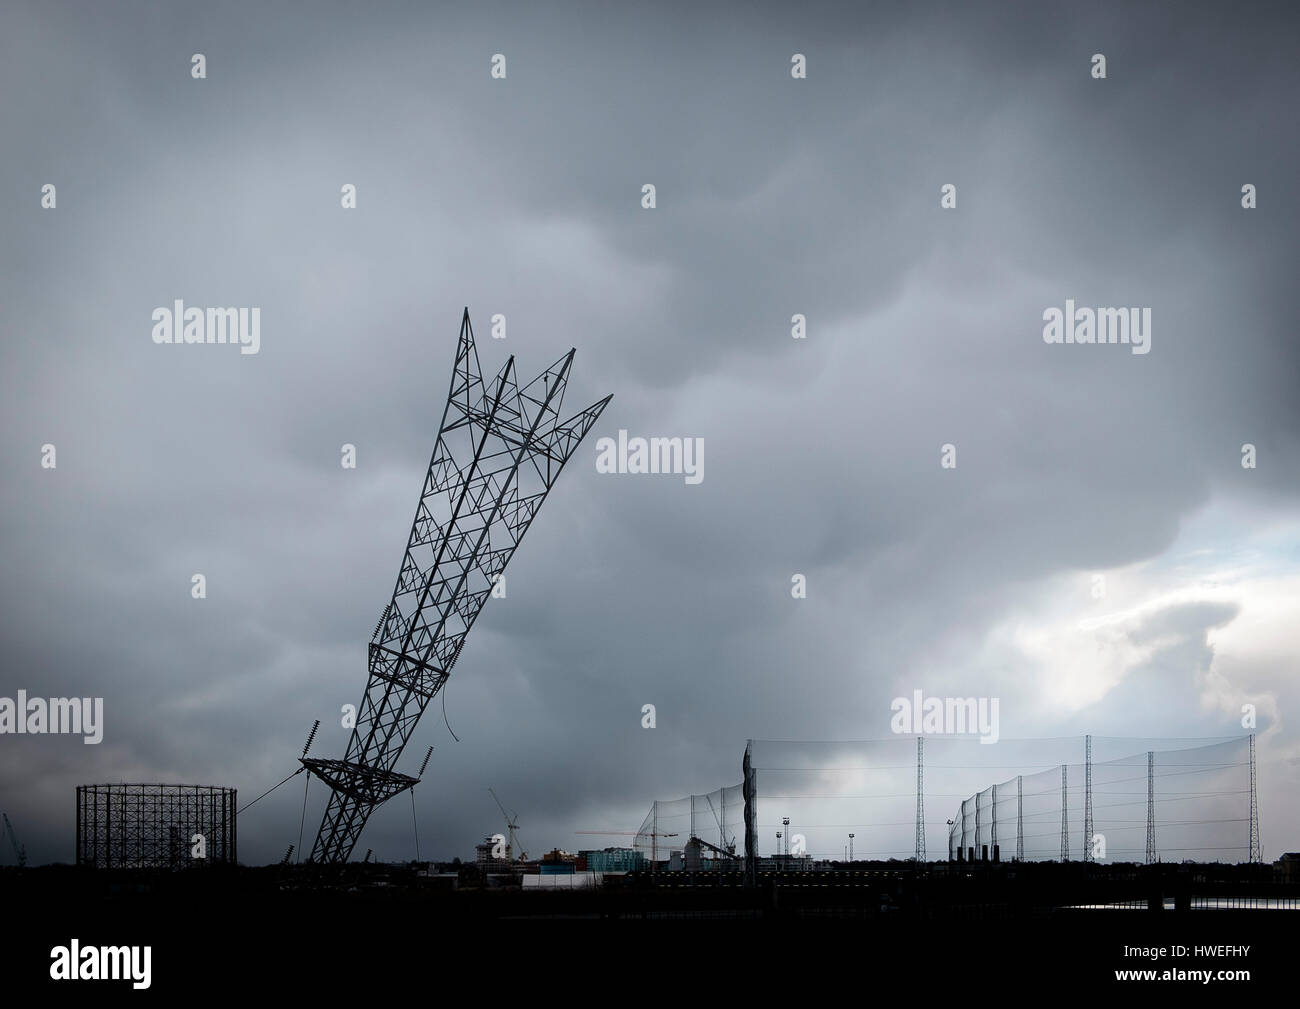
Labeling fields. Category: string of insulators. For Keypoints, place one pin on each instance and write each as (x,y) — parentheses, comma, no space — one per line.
(382,617)
(310,736)
(426,762)
(285,860)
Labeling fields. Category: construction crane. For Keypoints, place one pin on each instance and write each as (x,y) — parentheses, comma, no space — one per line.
(714,848)
(512,825)
(730,842)
(654,839)
(20,852)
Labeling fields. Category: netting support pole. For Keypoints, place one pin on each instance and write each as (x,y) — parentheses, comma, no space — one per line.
(1065,819)
(1087,799)
(1255,855)
(993,827)
(920,800)
(748,791)
(654,835)
(1151,806)
(1020,817)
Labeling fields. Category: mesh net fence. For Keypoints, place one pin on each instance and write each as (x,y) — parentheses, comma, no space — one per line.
(1028,797)
(717,818)
(1191,804)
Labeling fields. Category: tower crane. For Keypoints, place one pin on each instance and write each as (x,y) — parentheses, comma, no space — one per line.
(20,852)
(730,842)
(512,825)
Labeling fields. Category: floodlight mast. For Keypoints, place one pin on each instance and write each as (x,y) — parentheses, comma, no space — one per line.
(500,450)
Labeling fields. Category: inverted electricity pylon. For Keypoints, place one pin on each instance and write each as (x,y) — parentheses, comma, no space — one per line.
(500,450)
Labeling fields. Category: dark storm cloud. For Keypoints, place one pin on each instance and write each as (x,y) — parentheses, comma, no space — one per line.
(522,197)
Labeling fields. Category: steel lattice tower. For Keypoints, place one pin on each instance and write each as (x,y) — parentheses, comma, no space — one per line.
(1087,800)
(500,449)
(1151,806)
(920,799)
(1255,854)
(1065,822)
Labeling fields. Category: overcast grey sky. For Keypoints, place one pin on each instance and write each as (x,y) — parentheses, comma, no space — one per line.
(522,196)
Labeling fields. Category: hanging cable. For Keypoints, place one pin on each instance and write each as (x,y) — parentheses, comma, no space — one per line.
(415,823)
(301,823)
(268,792)
(444,716)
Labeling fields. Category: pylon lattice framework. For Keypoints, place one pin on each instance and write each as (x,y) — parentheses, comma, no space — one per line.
(500,450)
